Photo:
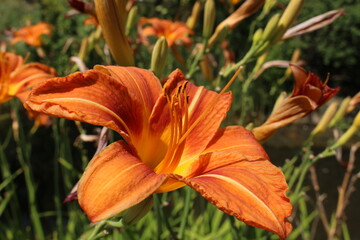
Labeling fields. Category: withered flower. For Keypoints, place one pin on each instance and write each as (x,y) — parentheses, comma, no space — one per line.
(309,94)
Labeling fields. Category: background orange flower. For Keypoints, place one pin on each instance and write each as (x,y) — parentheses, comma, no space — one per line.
(18,78)
(32,34)
(172,31)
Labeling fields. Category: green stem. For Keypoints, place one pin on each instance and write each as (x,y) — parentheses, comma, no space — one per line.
(158,216)
(23,152)
(195,64)
(57,200)
(185,214)
(96,230)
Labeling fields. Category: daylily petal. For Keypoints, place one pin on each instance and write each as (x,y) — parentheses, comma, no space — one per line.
(252,191)
(199,100)
(206,110)
(232,138)
(141,84)
(115,180)
(29,75)
(98,98)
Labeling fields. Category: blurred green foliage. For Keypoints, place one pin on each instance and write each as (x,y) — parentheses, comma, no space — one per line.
(333,49)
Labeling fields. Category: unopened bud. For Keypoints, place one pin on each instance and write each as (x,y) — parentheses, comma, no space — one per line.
(325,120)
(112,17)
(341,112)
(268,5)
(135,213)
(271,27)
(131,20)
(158,58)
(354,128)
(195,13)
(290,14)
(209,18)
(257,36)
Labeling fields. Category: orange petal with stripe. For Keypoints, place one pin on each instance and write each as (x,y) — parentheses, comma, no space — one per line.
(99,97)
(228,139)
(252,191)
(115,180)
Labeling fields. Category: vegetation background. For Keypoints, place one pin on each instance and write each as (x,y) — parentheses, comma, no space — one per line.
(58,155)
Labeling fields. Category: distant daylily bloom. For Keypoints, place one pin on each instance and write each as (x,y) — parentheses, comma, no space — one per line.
(309,94)
(32,34)
(172,138)
(91,21)
(17,79)
(172,31)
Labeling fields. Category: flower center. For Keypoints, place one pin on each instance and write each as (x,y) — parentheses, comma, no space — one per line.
(178,106)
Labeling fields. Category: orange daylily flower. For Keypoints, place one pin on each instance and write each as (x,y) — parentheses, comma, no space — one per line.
(173,138)
(91,21)
(32,34)
(17,79)
(309,94)
(172,31)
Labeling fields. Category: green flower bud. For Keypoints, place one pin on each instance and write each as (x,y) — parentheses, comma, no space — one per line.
(131,20)
(354,128)
(257,36)
(271,27)
(209,18)
(290,14)
(325,120)
(158,58)
(341,111)
(135,213)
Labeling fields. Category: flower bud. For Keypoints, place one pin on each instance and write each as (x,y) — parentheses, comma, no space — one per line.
(135,213)
(325,120)
(112,17)
(341,111)
(209,18)
(191,21)
(131,20)
(354,128)
(158,58)
(271,27)
(290,14)
(257,35)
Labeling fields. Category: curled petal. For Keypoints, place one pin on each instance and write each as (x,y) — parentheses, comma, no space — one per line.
(252,191)
(97,98)
(109,186)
